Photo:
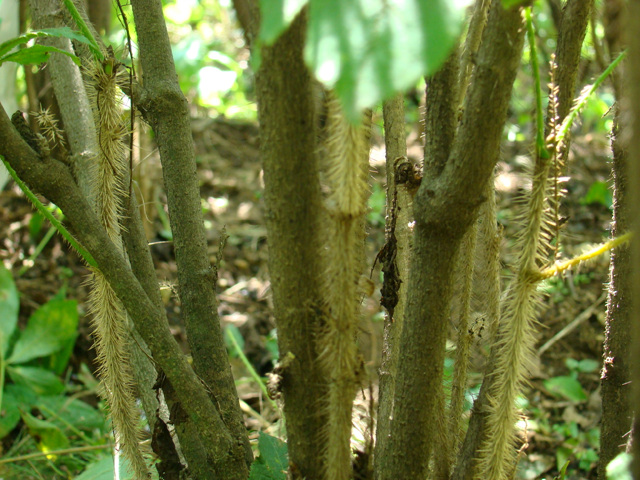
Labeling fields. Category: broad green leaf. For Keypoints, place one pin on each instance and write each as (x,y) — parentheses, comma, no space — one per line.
(35,55)
(40,381)
(369,49)
(48,436)
(273,460)
(566,387)
(49,330)
(66,32)
(71,411)
(16,397)
(10,414)
(102,469)
(276,15)
(9,305)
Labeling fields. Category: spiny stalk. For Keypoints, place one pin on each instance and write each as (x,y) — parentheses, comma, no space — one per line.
(110,319)
(346,173)
(514,342)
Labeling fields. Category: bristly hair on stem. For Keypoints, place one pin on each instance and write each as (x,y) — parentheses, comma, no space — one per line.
(513,348)
(110,321)
(346,176)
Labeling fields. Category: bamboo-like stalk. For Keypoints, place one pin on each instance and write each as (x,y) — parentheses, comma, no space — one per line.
(346,173)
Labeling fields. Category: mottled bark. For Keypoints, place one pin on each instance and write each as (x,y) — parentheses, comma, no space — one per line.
(445,207)
(396,146)
(632,81)
(616,415)
(53,179)
(166,109)
(293,202)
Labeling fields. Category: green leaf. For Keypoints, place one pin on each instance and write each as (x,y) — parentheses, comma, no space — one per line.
(273,461)
(369,49)
(48,436)
(102,469)
(10,414)
(50,329)
(16,397)
(232,331)
(588,365)
(566,387)
(276,15)
(507,4)
(40,381)
(599,192)
(563,456)
(66,32)
(71,411)
(619,467)
(35,55)
(9,305)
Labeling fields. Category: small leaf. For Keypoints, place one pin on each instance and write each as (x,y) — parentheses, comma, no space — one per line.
(71,411)
(276,15)
(566,387)
(48,436)
(273,461)
(233,340)
(66,32)
(588,365)
(40,381)
(599,192)
(49,330)
(563,456)
(36,55)
(9,305)
(10,414)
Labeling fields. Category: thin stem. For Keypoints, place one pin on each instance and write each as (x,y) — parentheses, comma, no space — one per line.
(45,455)
(49,216)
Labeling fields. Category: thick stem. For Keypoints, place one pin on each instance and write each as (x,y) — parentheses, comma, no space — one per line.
(616,415)
(166,109)
(293,202)
(632,85)
(453,185)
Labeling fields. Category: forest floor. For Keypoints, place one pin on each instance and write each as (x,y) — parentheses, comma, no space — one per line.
(561,422)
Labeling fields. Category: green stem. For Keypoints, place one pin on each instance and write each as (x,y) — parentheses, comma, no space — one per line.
(252,371)
(64,451)
(49,216)
(43,243)
(584,96)
(531,36)
(84,29)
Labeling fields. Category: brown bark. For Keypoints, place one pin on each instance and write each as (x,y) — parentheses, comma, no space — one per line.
(445,206)
(616,415)
(575,17)
(167,111)
(396,146)
(293,201)
(632,79)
